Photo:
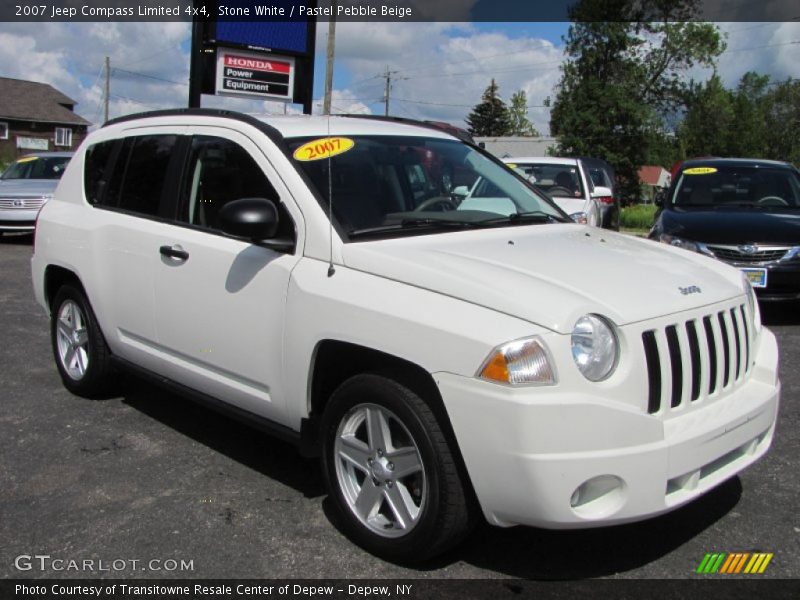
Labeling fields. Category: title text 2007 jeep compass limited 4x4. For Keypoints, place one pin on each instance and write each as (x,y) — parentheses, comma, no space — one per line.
(443,355)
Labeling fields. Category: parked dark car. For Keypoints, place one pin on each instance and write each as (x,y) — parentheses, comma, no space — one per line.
(602,174)
(745,212)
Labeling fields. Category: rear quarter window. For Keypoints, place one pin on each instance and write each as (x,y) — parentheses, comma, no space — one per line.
(96,170)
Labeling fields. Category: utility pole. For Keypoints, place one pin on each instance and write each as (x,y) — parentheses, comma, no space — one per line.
(326,102)
(108,88)
(386,92)
(388,89)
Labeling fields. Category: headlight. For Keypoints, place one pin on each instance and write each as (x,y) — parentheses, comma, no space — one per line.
(579,217)
(752,304)
(594,347)
(517,363)
(678,242)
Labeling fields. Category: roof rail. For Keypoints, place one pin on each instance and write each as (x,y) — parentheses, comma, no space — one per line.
(456,132)
(269,130)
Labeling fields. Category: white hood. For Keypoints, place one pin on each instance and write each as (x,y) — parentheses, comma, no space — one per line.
(550,275)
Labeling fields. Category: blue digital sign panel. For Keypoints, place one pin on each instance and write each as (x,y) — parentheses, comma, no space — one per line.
(283,36)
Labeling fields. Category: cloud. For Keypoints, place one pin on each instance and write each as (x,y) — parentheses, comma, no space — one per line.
(440,70)
(767,48)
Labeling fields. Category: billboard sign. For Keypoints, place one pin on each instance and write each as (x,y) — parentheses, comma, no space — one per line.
(254,75)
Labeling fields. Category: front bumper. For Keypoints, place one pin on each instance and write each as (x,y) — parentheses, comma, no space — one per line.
(18,220)
(527,451)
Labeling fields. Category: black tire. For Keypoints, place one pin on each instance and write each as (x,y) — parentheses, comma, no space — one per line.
(444,517)
(98,377)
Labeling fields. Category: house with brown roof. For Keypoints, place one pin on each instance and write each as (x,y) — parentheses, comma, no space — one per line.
(653,179)
(37,117)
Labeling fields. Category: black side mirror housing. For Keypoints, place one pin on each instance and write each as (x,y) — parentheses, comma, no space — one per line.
(659,197)
(254,219)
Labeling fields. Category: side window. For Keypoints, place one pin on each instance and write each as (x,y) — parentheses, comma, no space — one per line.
(96,170)
(141,173)
(218,172)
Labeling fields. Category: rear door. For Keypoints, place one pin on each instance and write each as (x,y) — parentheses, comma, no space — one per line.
(133,212)
(220,301)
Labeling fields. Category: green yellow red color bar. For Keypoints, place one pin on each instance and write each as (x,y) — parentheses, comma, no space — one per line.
(735,562)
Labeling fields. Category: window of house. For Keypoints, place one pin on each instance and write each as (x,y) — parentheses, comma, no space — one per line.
(3,131)
(63,136)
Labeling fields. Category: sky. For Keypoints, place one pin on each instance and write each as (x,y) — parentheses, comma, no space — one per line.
(439,70)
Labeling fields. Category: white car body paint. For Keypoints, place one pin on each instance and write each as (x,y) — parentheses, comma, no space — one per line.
(242,323)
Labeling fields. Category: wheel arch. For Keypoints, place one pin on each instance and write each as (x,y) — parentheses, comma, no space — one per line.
(335,361)
(55,277)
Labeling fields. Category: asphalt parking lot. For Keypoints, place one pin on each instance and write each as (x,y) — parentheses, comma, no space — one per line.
(148,476)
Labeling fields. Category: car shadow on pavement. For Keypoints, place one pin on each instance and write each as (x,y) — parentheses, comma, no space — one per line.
(542,554)
(246,445)
(779,313)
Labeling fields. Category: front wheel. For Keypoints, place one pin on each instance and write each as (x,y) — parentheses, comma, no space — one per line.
(390,471)
(80,351)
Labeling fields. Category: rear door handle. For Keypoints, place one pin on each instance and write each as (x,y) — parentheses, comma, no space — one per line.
(175,252)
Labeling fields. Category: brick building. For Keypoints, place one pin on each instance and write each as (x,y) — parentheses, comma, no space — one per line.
(36,117)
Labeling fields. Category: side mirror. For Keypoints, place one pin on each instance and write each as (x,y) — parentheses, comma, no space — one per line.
(659,198)
(254,219)
(601,192)
(462,191)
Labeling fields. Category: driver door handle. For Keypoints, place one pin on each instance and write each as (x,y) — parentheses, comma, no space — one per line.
(175,252)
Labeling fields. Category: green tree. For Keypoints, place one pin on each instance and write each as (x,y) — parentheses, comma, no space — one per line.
(490,118)
(623,76)
(518,114)
(782,123)
(710,120)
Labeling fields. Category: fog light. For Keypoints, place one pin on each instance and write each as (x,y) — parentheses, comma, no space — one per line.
(598,497)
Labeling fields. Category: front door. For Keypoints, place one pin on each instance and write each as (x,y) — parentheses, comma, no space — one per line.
(220,301)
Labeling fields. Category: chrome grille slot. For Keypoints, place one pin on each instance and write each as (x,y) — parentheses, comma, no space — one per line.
(694,355)
(712,355)
(726,350)
(737,344)
(653,371)
(746,338)
(695,359)
(677,365)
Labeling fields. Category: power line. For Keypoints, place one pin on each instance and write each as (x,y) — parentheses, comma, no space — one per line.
(473,59)
(146,76)
(157,53)
(134,100)
(530,106)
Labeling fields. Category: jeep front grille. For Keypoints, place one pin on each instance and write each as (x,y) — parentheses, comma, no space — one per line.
(696,359)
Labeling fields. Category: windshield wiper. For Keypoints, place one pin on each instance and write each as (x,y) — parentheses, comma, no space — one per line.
(412,224)
(533,216)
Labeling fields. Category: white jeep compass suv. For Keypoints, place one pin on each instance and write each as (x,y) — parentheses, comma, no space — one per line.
(319,278)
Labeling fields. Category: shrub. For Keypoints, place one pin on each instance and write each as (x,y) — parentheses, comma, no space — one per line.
(638,216)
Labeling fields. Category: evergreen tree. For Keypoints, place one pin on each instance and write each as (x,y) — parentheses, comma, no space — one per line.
(490,118)
(518,114)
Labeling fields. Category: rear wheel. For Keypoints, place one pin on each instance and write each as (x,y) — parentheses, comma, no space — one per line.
(390,472)
(81,353)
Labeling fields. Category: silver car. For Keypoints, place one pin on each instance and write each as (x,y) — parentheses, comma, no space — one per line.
(26,185)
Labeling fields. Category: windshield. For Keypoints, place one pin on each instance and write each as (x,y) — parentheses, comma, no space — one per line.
(37,167)
(558,180)
(403,184)
(722,186)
